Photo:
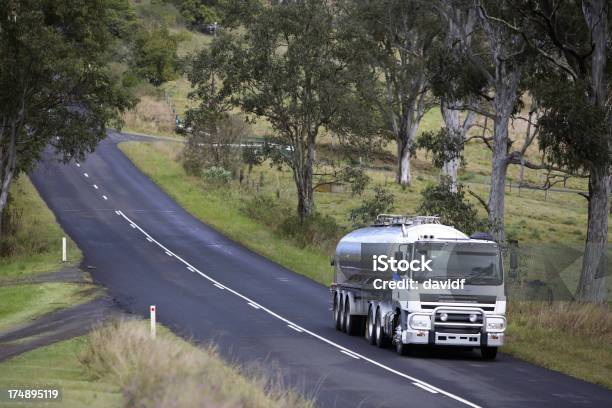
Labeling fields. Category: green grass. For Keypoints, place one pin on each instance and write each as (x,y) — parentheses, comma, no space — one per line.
(37,243)
(22,303)
(57,365)
(529,218)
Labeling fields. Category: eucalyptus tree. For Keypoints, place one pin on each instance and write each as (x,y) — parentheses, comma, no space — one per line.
(572,83)
(286,64)
(55,87)
(486,76)
(394,38)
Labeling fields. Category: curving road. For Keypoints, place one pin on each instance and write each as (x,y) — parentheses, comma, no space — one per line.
(147,250)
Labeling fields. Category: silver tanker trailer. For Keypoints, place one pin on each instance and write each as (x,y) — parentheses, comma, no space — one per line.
(411,280)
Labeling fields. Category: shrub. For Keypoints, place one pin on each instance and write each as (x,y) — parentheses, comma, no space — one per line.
(320,231)
(381,202)
(451,206)
(217,175)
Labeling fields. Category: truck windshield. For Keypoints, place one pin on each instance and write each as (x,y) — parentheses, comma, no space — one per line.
(479,264)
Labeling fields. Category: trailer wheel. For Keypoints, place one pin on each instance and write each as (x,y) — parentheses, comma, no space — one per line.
(488,353)
(370,332)
(381,338)
(352,323)
(337,312)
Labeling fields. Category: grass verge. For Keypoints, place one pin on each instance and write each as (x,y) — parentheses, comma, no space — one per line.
(543,338)
(169,371)
(36,243)
(57,366)
(22,303)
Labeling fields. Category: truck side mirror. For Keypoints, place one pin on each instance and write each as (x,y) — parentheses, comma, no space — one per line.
(332,261)
(399,255)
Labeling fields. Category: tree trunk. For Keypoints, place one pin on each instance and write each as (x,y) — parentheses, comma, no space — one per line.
(453,126)
(8,157)
(404,177)
(591,286)
(498,178)
(303,180)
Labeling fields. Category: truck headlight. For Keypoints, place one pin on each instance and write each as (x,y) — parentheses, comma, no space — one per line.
(496,324)
(420,322)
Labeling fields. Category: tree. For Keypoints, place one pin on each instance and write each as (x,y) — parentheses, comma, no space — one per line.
(572,42)
(495,57)
(154,55)
(460,20)
(394,37)
(286,67)
(54,86)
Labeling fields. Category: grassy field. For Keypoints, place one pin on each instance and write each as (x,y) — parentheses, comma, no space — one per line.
(531,218)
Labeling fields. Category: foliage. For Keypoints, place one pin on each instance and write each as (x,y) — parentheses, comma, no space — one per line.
(154,55)
(217,175)
(382,202)
(55,87)
(451,207)
(213,141)
(443,145)
(198,12)
(573,132)
(318,231)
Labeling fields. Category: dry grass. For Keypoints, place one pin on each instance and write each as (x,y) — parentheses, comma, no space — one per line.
(151,115)
(588,319)
(171,372)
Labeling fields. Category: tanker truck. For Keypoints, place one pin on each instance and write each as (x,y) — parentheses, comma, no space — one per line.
(407,281)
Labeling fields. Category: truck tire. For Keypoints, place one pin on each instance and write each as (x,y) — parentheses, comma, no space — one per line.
(370,332)
(402,349)
(382,340)
(341,315)
(488,353)
(337,312)
(352,322)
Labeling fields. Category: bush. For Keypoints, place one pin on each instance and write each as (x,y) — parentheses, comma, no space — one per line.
(319,231)
(382,202)
(217,175)
(262,208)
(452,207)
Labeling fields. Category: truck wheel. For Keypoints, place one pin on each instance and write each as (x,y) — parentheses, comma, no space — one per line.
(338,312)
(488,353)
(342,315)
(381,338)
(402,349)
(352,322)
(370,331)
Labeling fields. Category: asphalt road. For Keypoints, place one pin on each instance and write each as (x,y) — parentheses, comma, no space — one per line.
(147,250)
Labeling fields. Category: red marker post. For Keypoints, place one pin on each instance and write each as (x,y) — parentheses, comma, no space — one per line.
(152,311)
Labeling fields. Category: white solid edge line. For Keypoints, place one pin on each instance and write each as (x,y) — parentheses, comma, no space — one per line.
(295,328)
(289,322)
(349,354)
(425,388)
